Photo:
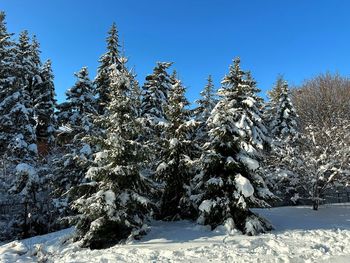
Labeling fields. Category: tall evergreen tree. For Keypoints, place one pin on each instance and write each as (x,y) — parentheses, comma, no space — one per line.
(153,108)
(275,94)
(284,121)
(174,166)
(114,204)
(111,57)
(286,143)
(228,184)
(27,58)
(207,101)
(77,113)
(206,104)
(16,113)
(44,104)
(7,77)
(18,129)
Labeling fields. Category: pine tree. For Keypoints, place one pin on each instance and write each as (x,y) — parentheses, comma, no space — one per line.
(275,94)
(174,166)
(114,204)
(206,104)
(284,123)
(16,113)
(77,113)
(27,59)
(44,104)
(7,77)
(18,129)
(153,108)
(285,145)
(111,57)
(228,184)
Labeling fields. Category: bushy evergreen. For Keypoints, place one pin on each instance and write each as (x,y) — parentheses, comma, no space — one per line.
(44,104)
(111,57)
(154,101)
(75,114)
(175,164)
(155,97)
(284,121)
(202,112)
(228,184)
(286,143)
(80,103)
(7,79)
(114,204)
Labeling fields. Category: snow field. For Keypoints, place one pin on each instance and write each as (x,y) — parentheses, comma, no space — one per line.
(301,235)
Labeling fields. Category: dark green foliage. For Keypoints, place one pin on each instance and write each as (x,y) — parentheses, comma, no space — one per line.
(228,183)
(174,167)
(118,202)
(111,57)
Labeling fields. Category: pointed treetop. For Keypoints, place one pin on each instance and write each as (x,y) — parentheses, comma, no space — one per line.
(235,81)
(5,43)
(35,50)
(235,72)
(208,90)
(3,28)
(113,42)
(2,22)
(24,36)
(2,16)
(276,91)
(83,72)
(23,44)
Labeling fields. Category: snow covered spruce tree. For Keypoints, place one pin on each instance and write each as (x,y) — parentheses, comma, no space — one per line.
(80,102)
(77,114)
(206,104)
(16,108)
(44,104)
(284,119)
(17,129)
(228,184)
(7,79)
(153,109)
(285,145)
(114,203)
(175,166)
(111,57)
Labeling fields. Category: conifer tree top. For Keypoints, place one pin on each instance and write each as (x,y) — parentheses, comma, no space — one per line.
(275,93)
(113,45)
(234,80)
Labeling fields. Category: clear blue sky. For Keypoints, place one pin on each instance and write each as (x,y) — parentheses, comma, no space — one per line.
(297,38)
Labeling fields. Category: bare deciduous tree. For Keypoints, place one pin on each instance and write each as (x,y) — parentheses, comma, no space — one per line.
(323,100)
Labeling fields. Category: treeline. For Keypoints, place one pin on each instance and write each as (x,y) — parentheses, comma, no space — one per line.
(114,155)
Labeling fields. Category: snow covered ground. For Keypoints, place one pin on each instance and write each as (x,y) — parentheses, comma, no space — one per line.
(301,235)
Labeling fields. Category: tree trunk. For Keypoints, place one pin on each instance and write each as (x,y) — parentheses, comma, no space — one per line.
(315,204)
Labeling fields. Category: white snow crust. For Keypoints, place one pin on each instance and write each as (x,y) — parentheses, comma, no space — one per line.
(300,235)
